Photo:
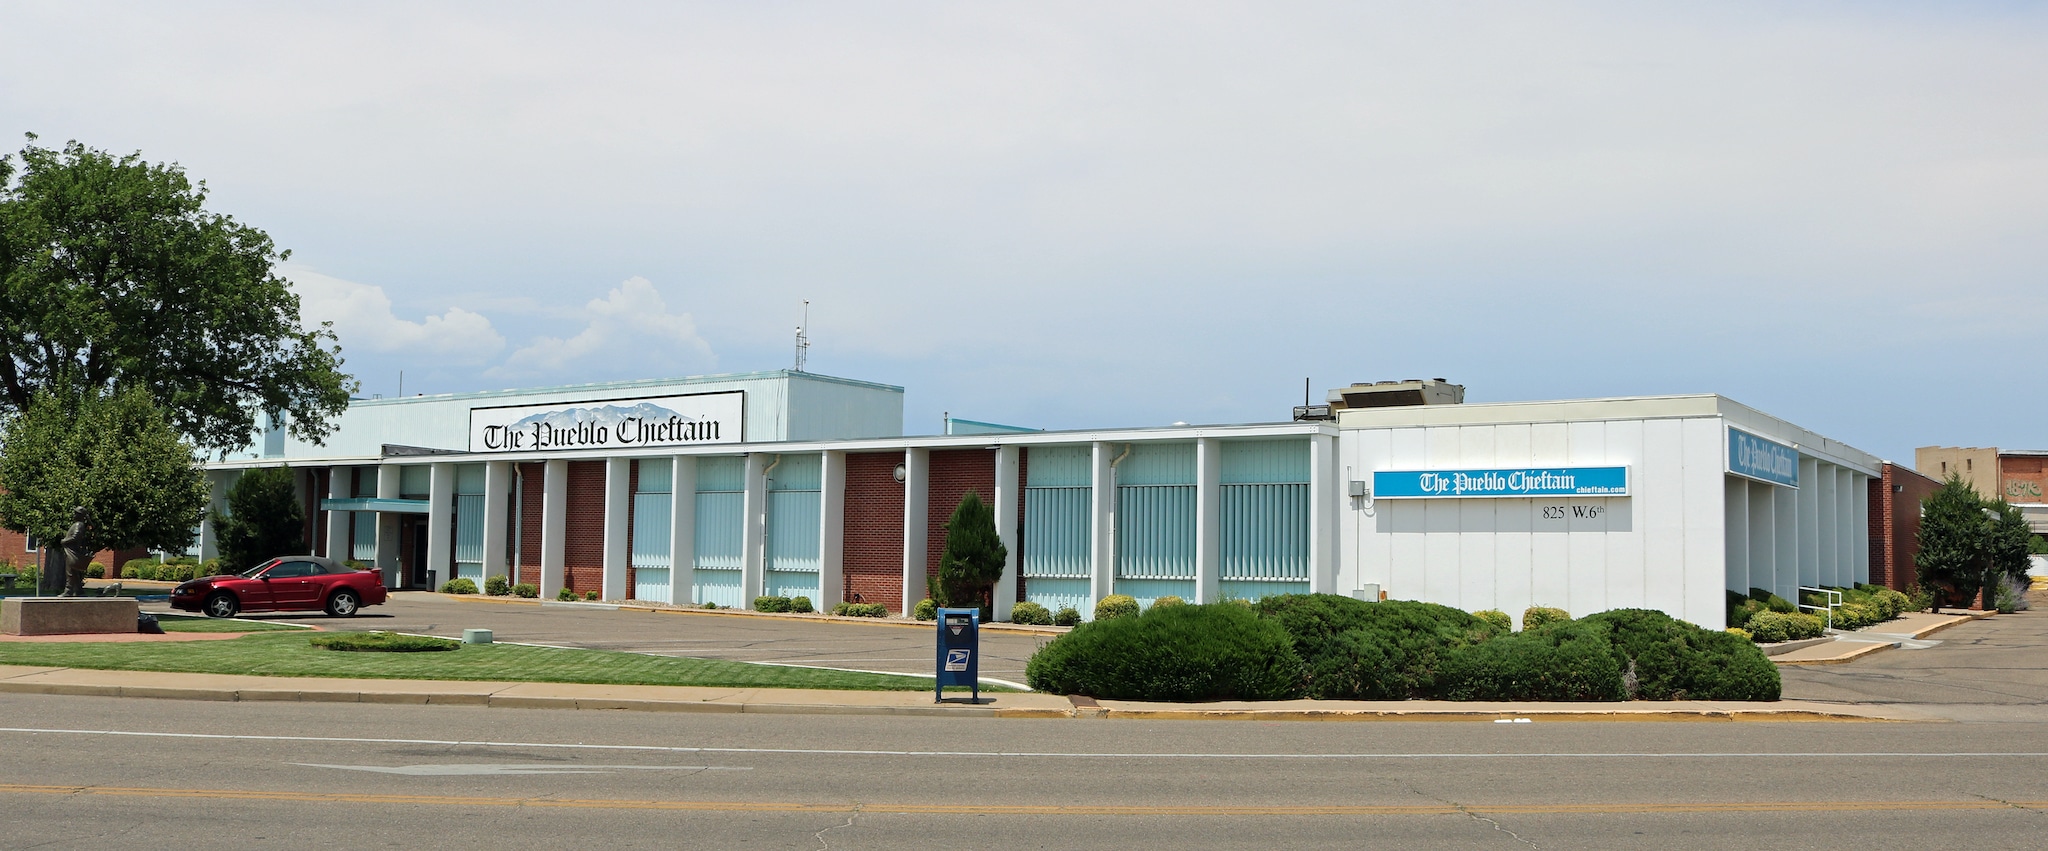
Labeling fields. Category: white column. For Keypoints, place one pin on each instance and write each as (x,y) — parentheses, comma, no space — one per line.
(832,531)
(1859,568)
(1846,521)
(1735,543)
(388,484)
(1785,525)
(1102,526)
(1322,514)
(753,542)
(340,481)
(618,513)
(1830,526)
(1009,498)
(1208,520)
(916,505)
(441,521)
(554,528)
(1809,523)
(682,539)
(217,483)
(1763,540)
(497,518)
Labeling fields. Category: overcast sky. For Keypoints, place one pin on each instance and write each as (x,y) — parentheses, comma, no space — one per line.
(1107,214)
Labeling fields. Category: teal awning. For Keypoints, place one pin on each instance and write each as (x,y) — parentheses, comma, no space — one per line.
(400,506)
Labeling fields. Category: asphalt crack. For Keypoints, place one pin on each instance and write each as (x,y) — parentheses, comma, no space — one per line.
(820,835)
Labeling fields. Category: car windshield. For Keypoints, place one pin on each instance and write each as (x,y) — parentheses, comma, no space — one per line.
(252,573)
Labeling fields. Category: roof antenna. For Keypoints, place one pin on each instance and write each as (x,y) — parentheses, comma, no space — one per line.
(1304,389)
(803,343)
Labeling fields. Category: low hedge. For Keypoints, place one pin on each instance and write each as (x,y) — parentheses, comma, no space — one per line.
(1561,661)
(497,586)
(1502,621)
(1116,606)
(1168,600)
(1537,617)
(459,585)
(1771,627)
(526,589)
(1175,653)
(383,642)
(1664,658)
(801,605)
(1389,650)
(773,604)
(1066,616)
(1031,614)
(860,610)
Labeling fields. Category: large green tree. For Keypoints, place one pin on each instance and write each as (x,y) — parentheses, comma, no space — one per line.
(115,454)
(1968,543)
(263,520)
(972,561)
(113,273)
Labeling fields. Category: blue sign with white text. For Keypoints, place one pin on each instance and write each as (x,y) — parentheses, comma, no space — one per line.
(1512,482)
(1764,460)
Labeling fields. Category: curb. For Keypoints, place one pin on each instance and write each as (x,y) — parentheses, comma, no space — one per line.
(1851,656)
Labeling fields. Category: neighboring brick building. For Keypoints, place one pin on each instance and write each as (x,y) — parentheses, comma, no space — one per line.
(1895,500)
(2018,476)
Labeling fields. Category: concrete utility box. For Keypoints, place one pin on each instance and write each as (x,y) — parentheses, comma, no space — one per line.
(68,615)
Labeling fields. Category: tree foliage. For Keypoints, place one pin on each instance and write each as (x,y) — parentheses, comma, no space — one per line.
(1968,542)
(972,561)
(112,274)
(263,520)
(116,455)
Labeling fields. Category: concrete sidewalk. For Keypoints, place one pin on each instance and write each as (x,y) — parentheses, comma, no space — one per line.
(1902,631)
(224,687)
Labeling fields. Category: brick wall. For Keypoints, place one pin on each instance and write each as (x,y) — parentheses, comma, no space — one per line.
(873,541)
(1895,525)
(533,478)
(2023,478)
(954,472)
(583,550)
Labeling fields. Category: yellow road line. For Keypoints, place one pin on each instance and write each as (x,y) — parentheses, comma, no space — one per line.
(1023,809)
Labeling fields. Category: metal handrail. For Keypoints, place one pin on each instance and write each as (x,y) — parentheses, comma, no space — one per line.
(1834,602)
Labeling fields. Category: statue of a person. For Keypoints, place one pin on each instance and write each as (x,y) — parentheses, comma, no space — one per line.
(78,551)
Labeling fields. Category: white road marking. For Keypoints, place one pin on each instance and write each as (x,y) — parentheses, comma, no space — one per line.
(1045,754)
(496,769)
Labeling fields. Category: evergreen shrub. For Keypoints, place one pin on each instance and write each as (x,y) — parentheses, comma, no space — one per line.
(1502,621)
(1773,627)
(1178,653)
(526,589)
(1389,650)
(771,604)
(925,610)
(497,586)
(458,585)
(1168,600)
(1066,616)
(1536,617)
(383,642)
(1663,658)
(801,605)
(1031,614)
(1568,660)
(590,595)
(1116,606)
(565,595)
(860,610)
(95,570)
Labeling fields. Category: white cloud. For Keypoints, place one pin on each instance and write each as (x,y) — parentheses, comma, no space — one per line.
(633,321)
(362,317)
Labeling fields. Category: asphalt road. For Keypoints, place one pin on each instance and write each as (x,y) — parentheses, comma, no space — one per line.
(859,646)
(84,772)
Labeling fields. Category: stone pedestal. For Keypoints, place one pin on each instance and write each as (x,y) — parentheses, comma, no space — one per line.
(67,615)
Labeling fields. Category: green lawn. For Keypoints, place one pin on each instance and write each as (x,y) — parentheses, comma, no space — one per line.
(292,655)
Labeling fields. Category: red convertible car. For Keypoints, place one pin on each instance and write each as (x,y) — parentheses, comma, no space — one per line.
(289,583)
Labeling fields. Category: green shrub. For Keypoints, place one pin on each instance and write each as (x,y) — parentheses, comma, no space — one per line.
(590,596)
(1066,616)
(925,610)
(497,586)
(771,604)
(1537,617)
(1031,614)
(1566,661)
(1502,621)
(565,595)
(458,585)
(1356,650)
(1773,602)
(1663,658)
(1178,653)
(383,642)
(801,605)
(1168,600)
(860,610)
(1741,633)
(1116,606)
(133,568)
(1772,627)
(1894,603)
(1919,599)
(710,605)
(95,570)
(526,589)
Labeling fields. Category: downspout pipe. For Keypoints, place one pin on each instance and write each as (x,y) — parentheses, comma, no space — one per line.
(1116,518)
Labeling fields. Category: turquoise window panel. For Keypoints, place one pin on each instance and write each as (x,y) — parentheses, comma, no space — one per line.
(363,537)
(722,473)
(1264,534)
(1247,462)
(472,571)
(651,583)
(1147,590)
(1057,593)
(1056,531)
(469,528)
(469,478)
(1058,466)
(1240,590)
(719,586)
(790,583)
(652,518)
(720,532)
(1155,532)
(1157,464)
(366,482)
(792,540)
(798,473)
(656,475)
(415,480)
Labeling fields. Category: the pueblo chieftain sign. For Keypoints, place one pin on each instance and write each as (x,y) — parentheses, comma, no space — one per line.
(1520,481)
(614,424)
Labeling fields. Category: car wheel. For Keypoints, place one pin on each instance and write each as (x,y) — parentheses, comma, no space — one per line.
(222,605)
(343,604)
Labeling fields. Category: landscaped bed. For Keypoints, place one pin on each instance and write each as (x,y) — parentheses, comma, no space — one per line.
(282,654)
(1330,647)
(181,623)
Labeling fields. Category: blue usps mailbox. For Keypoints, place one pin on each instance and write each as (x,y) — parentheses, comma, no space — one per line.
(959,652)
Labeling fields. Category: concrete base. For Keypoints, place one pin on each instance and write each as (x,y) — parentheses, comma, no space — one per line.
(67,615)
